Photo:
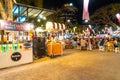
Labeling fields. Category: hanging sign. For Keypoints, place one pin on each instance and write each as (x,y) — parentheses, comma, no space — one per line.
(15,47)
(4,47)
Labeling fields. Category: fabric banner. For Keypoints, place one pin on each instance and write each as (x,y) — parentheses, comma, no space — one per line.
(85,10)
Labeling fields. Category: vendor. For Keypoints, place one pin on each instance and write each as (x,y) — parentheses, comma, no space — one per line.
(48,39)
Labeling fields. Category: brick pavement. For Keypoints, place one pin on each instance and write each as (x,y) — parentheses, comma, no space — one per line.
(73,65)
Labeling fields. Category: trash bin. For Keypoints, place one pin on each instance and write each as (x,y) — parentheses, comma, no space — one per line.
(39,48)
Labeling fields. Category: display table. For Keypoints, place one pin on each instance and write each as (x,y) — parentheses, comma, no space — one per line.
(54,49)
(14,54)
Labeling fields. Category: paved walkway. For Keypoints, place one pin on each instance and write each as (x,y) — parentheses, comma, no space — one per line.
(73,65)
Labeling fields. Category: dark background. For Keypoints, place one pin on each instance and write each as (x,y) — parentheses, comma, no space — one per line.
(93,5)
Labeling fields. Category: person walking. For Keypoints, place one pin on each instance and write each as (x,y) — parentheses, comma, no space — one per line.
(101,44)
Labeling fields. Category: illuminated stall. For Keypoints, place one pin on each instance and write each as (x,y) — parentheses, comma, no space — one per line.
(14,49)
(54,27)
(55,47)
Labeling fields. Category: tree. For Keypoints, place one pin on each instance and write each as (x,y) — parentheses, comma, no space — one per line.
(105,15)
(9,7)
(64,14)
(6,9)
(2,10)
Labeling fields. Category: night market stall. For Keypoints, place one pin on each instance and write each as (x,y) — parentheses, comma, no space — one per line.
(55,42)
(15,46)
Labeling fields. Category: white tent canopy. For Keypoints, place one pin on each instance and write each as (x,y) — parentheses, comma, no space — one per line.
(53,26)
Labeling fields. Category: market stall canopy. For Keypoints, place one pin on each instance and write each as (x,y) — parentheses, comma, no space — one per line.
(24,12)
(54,26)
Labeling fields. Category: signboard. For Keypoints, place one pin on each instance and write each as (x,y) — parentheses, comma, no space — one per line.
(9,25)
(16,56)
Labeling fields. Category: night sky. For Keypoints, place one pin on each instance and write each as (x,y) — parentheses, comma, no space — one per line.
(93,5)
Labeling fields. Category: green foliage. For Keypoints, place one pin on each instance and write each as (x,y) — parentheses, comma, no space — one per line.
(105,15)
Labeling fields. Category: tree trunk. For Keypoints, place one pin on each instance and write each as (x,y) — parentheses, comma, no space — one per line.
(9,6)
(2,12)
(6,13)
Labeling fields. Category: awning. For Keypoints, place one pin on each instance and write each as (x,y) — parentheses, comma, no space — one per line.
(53,26)
(27,11)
